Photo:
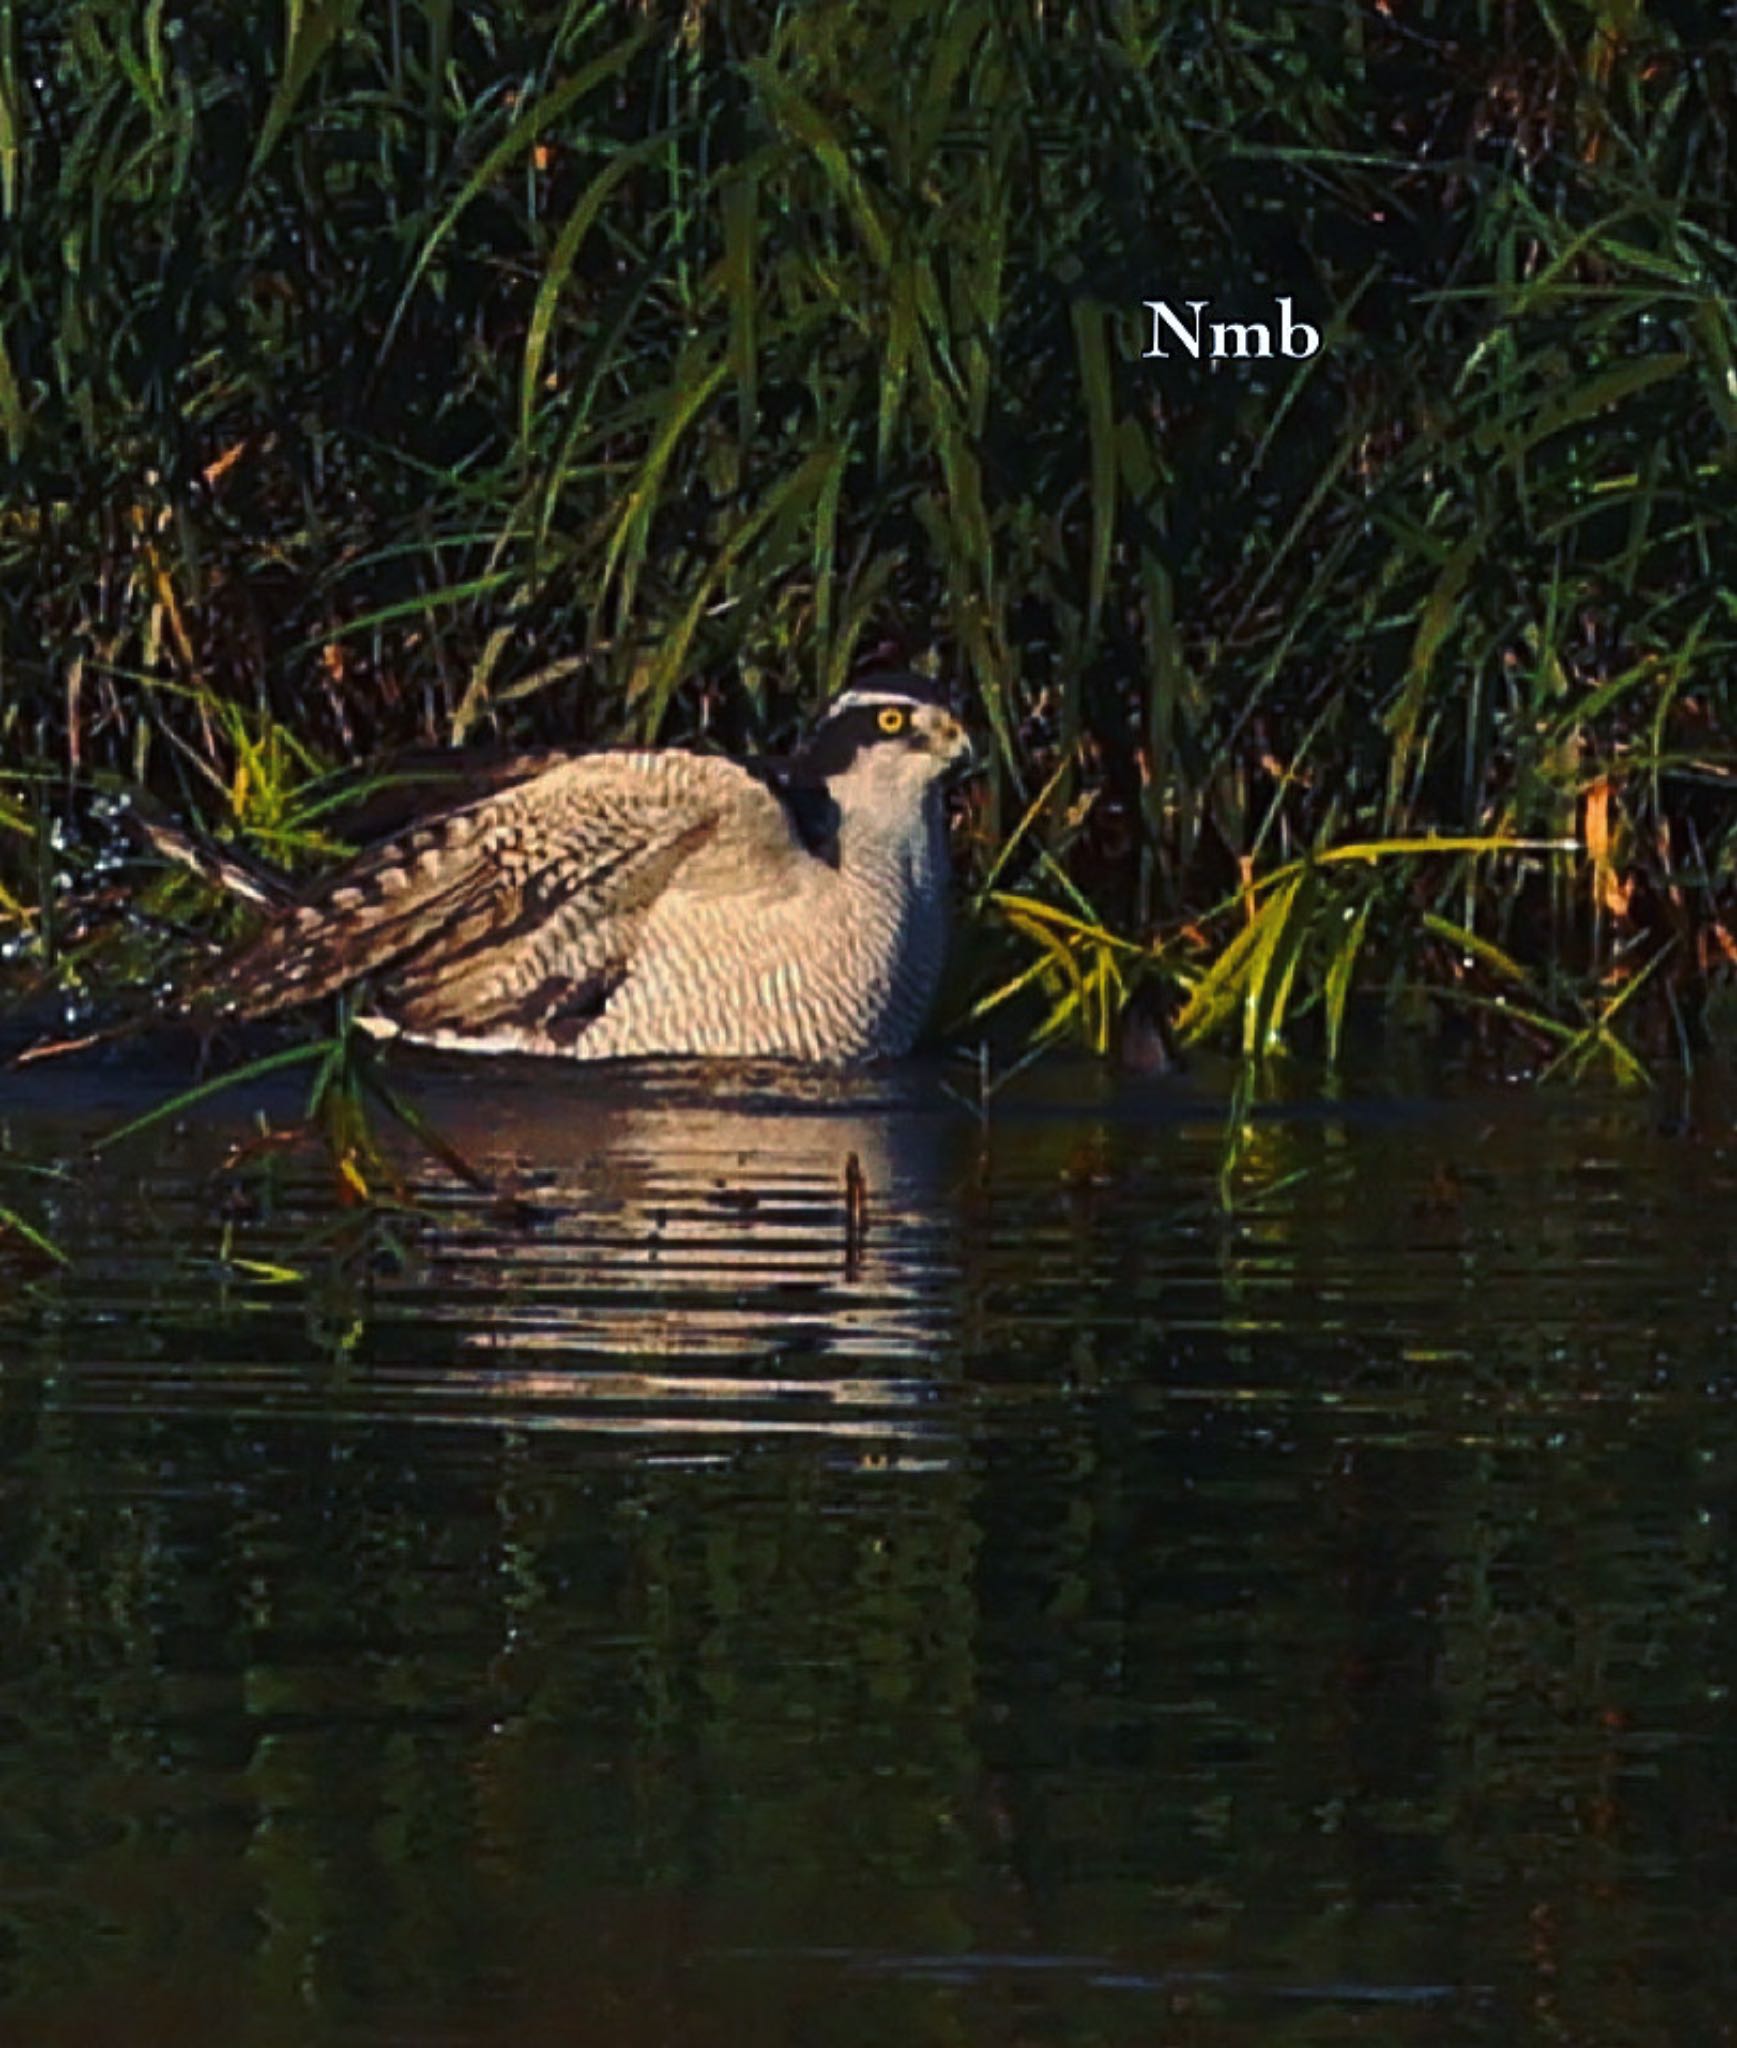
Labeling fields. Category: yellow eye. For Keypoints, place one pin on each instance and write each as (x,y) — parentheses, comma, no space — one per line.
(890,718)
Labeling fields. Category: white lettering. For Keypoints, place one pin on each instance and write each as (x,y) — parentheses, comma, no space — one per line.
(1161,312)
(1289,328)
(1231,340)
(1263,343)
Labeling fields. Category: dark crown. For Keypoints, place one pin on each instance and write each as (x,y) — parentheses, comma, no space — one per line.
(854,721)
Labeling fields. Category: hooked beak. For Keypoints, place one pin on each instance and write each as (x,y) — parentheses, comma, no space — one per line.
(947,739)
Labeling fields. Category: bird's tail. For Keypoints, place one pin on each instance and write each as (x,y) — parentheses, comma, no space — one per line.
(236,875)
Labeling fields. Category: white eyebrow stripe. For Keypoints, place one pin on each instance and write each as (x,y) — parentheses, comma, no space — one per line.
(866,700)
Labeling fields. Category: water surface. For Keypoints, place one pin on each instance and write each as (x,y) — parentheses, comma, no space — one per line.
(1066,1611)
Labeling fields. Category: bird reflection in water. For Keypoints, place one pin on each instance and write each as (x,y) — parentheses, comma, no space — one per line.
(715,1248)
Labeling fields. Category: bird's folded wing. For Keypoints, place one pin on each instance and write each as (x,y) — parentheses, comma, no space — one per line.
(549,877)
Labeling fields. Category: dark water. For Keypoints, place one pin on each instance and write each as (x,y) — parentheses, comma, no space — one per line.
(1075,1614)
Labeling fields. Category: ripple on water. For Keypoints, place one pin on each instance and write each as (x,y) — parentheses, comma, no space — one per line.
(1067,1610)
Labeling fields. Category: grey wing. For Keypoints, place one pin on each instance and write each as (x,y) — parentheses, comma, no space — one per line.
(521,908)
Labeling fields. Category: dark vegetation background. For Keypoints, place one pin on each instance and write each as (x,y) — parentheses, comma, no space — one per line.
(418,372)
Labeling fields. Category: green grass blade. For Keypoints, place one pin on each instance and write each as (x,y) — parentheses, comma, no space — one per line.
(576,227)
(1091,348)
(311,29)
(530,126)
(175,1105)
